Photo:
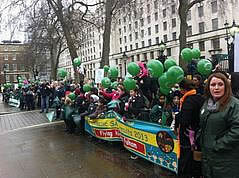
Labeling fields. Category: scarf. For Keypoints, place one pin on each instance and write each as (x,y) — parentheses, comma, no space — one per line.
(212,106)
(189,93)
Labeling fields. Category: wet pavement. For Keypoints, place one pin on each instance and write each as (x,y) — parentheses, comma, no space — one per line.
(47,151)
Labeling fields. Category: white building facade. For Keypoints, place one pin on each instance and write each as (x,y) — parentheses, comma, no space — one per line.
(136,34)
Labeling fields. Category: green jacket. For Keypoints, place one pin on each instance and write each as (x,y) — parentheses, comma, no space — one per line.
(220,141)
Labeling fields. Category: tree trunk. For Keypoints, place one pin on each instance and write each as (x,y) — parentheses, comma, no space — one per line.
(72,49)
(183,30)
(107,31)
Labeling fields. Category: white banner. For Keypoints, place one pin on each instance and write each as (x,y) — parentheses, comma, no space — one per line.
(99,75)
(236,53)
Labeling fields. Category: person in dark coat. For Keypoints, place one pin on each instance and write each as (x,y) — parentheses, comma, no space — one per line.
(187,125)
(235,84)
(219,129)
(45,93)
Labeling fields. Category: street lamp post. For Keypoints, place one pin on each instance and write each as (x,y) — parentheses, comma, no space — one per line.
(125,63)
(162,47)
(231,30)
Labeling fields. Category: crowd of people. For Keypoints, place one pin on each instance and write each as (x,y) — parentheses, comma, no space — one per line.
(203,112)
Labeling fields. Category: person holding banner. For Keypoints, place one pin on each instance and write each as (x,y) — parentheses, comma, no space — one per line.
(219,121)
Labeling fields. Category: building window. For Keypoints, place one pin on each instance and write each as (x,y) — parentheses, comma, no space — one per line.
(200,11)
(124,29)
(14,57)
(149,31)
(145,56)
(6,66)
(125,48)
(14,67)
(201,27)
(156,16)
(189,30)
(132,58)
(174,22)
(136,35)
(173,7)
(155,4)
(119,21)
(149,19)
(149,42)
(130,17)
(164,13)
(5,57)
(142,43)
(148,8)
(130,27)
(152,55)
(215,43)
(125,39)
(156,28)
(15,78)
(165,38)
(130,37)
(142,22)
(189,17)
(201,45)
(174,35)
(164,25)
(124,19)
(214,6)
(142,33)
(136,24)
(136,45)
(215,24)
(157,40)
(169,53)
(131,47)
(7,78)
(121,49)
(138,57)
(141,10)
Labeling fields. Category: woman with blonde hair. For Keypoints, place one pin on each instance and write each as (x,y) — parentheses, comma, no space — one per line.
(219,121)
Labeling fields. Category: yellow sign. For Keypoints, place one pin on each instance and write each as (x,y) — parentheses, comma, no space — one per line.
(145,137)
(102,123)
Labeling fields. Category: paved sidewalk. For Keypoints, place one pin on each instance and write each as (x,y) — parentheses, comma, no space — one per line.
(20,120)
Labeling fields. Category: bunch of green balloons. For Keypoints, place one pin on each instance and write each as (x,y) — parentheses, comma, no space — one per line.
(188,54)
(169,62)
(114,85)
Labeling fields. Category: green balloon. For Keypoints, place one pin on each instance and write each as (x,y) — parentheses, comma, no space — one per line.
(133,68)
(165,91)
(114,85)
(105,82)
(86,88)
(62,72)
(72,96)
(113,73)
(175,74)
(187,54)
(129,84)
(155,68)
(106,68)
(204,67)
(77,61)
(20,85)
(20,80)
(169,63)
(196,53)
(164,82)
